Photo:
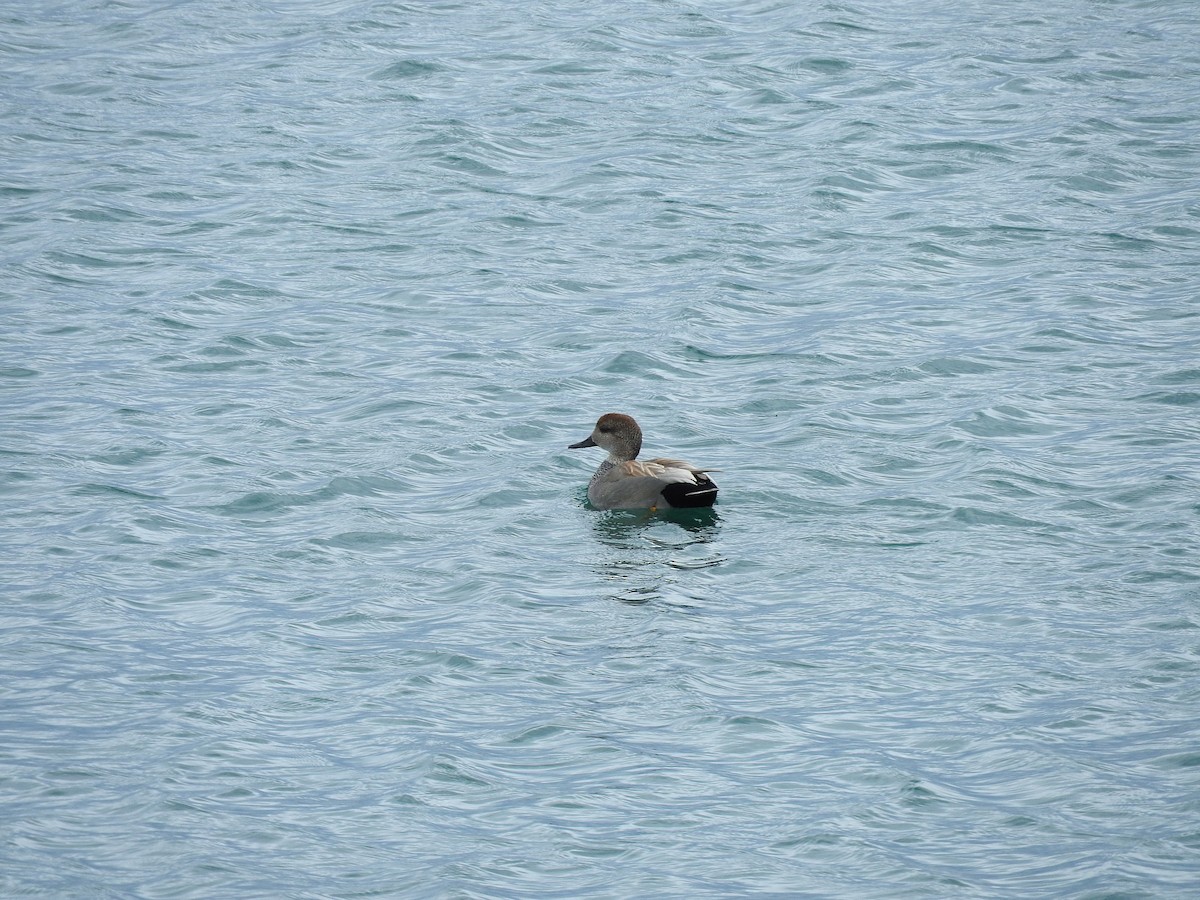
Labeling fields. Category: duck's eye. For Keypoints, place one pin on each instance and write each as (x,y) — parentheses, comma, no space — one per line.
(604,429)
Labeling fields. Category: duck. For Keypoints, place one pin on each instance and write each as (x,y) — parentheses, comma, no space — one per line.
(624,482)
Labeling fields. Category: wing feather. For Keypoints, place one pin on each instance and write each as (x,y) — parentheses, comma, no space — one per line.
(665,471)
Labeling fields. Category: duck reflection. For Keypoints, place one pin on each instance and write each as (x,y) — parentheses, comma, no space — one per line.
(646,552)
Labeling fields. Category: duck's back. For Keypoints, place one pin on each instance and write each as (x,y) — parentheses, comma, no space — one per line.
(651,483)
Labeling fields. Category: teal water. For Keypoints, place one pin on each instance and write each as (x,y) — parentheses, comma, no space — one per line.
(303,302)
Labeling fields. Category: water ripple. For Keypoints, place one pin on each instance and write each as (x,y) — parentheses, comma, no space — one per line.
(305,305)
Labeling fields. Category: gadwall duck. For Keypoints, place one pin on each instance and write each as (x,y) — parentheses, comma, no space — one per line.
(625,482)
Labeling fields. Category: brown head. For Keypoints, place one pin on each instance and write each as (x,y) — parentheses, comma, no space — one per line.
(617,433)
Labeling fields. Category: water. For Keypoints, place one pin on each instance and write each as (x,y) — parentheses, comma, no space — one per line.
(304,301)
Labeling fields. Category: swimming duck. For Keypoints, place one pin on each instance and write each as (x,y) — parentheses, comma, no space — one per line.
(625,482)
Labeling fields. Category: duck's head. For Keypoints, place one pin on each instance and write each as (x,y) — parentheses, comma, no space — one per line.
(617,433)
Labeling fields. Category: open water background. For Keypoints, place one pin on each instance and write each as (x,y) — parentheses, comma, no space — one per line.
(302,302)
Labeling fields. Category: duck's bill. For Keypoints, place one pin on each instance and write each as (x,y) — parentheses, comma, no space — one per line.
(586,442)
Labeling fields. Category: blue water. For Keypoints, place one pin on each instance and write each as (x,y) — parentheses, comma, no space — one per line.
(303,302)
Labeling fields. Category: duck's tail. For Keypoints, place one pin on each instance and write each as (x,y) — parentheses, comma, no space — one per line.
(684,495)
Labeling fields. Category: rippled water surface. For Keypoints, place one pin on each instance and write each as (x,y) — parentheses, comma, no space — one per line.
(303,302)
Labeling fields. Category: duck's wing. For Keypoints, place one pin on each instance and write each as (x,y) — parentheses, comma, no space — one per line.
(675,466)
(643,484)
(638,484)
(662,471)
(682,484)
